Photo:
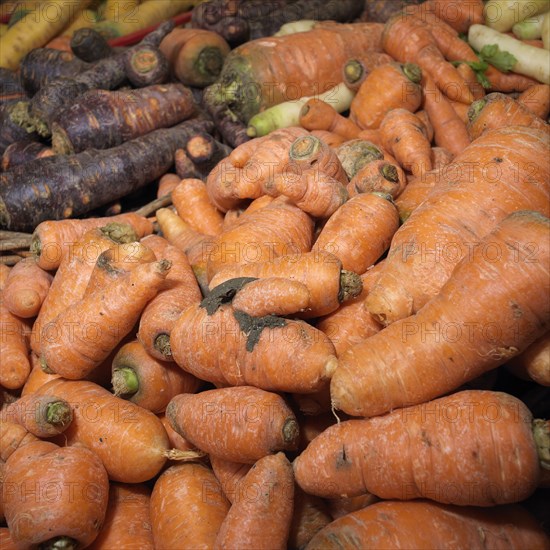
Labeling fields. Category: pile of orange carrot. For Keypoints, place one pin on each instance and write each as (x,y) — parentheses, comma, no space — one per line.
(323,338)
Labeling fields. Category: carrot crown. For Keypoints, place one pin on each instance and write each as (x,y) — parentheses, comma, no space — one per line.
(412,71)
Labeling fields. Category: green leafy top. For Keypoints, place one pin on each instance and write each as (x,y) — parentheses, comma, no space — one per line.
(490,54)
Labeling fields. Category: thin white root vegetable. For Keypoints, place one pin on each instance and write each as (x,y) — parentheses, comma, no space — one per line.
(531,61)
(293,27)
(287,114)
(529,29)
(502,15)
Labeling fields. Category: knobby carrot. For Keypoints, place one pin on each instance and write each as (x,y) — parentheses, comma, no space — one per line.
(450,131)
(499,174)
(521,317)
(399,86)
(350,458)
(378,176)
(395,523)
(179,290)
(279,229)
(117,262)
(537,99)
(187,507)
(43,416)
(130,440)
(193,205)
(355,153)
(405,137)
(52,240)
(127,521)
(263,423)
(146,381)
(409,39)
(88,330)
(319,115)
(71,518)
(321,271)
(498,110)
(360,231)
(351,322)
(26,288)
(263,521)
(272,296)
(72,277)
(272,353)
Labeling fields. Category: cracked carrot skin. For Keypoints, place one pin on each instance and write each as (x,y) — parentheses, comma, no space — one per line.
(489,311)
(395,524)
(241,424)
(453,450)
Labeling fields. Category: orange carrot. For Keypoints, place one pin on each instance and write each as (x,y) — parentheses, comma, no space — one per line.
(146,381)
(4,272)
(378,176)
(260,422)
(37,376)
(6,540)
(355,153)
(418,189)
(355,70)
(127,522)
(423,116)
(321,271)
(310,515)
(129,439)
(360,231)
(240,175)
(276,230)
(187,507)
(471,442)
(193,205)
(459,15)
(537,99)
(404,136)
(272,296)
(13,436)
(72,277)
(316,114)
(396,524)
(315,403)
(517,314)
(498,110)
(301,361)
(229,474)
(26,288)
(440,157)
(330,138)
(88,330)
(469,75)
(461,110)
(450,131)
(179,290)
(263,521)
(346,505)
(534,362)
(351,322)
(399,86)
(43,416)
(72,517)
(176,440)
(167,184)
(15,366)
(409,39)
(53,240)
(372,135)
(117,262)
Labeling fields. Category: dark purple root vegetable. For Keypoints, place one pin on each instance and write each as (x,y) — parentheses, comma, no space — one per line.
(105,74)
(9,131)
(145,66)
(65,186)
(21,152)
(88,45)
(43,65)
(102,119)
(11,88)
(256,18)
(185,167)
